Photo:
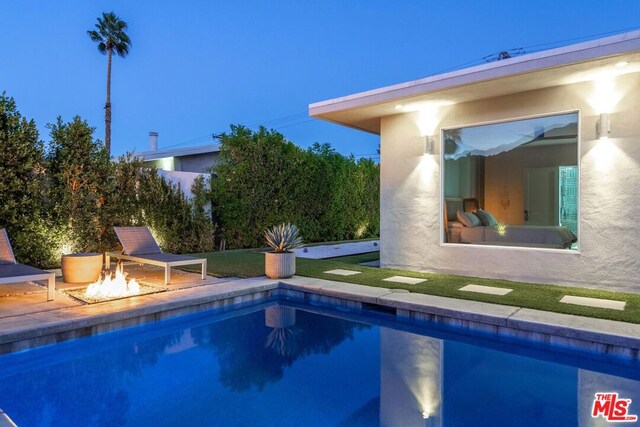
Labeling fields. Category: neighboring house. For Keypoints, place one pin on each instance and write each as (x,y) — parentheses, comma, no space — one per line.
(181,165)
(526,168)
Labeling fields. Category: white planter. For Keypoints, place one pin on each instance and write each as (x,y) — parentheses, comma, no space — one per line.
(279,317)
(279,265)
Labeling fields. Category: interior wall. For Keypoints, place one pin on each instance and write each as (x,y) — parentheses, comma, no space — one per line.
(507,171)
(464,178)
(411,225)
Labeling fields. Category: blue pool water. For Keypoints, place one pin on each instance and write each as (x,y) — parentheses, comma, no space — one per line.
(278,365)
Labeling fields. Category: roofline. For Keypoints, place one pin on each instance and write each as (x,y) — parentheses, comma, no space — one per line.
(176,152)
(551,58)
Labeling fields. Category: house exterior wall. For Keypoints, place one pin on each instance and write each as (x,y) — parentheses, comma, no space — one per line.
(198,162)
(184,179)
(609,237)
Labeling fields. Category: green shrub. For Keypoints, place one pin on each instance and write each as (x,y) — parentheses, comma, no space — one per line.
(263,179)
(70,198)
(22,183)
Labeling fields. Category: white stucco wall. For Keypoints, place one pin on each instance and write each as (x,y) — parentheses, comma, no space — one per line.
(184,179)
(609,255)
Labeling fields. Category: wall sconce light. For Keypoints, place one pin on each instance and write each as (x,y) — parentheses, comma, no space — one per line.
(603,126)
(428,144)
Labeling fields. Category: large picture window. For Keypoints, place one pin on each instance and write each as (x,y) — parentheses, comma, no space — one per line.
(513,183)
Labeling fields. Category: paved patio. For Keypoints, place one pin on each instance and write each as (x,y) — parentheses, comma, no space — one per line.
(27,320)
(27,298)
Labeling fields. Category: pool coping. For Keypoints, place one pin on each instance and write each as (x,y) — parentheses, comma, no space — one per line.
(48,327)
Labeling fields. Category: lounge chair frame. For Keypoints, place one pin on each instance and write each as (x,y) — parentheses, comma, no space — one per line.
(30,275)
(148,259)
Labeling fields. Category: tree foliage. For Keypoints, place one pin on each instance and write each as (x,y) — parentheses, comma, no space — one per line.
(110,34)
(263,179)
(70,198)
(22,179)
(78,173)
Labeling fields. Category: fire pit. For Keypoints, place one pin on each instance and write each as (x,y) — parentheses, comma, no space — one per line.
(110,287)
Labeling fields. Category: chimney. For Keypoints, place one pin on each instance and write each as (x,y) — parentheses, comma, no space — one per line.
(153,141)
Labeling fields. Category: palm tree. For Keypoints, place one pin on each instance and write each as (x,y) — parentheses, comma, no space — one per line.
(111,37)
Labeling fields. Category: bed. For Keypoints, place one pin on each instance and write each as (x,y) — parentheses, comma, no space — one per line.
(556,237)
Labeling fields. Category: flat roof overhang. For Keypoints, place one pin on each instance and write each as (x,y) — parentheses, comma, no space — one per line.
(555,67)
(178,152)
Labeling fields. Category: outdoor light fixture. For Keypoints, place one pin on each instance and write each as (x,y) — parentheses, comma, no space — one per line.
(428,144)
(398,107)
(603,127)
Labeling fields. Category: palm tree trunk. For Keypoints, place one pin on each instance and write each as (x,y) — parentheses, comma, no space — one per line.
(107,107)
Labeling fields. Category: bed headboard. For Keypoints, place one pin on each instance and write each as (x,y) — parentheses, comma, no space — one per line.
(470,204)
(451,206)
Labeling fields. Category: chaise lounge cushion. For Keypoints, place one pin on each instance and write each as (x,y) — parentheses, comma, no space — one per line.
(137,241)
(164,257)
(17,270)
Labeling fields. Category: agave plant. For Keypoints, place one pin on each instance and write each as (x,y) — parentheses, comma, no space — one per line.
(283,341)
(283,238)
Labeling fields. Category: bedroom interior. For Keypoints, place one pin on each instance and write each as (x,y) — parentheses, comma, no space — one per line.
(512,183)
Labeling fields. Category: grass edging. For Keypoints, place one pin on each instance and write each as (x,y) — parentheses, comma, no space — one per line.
(249,263)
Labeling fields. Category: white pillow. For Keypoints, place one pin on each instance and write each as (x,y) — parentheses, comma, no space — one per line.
(468,219)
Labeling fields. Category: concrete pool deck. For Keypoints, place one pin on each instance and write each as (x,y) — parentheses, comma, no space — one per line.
(338,249)
(26,323)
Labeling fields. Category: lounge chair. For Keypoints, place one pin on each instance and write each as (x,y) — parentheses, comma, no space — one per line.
(138,245)
(12,272)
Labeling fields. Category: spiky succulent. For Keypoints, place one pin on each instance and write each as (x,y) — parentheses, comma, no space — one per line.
(283,237)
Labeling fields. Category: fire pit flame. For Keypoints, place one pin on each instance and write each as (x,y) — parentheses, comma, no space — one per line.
(113,287)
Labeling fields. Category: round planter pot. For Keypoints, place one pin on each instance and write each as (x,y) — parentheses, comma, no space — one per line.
(279,265)
(81,268)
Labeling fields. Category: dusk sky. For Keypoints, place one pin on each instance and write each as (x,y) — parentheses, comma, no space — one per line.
(197,66)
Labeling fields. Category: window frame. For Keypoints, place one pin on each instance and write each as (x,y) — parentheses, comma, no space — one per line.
(442,238)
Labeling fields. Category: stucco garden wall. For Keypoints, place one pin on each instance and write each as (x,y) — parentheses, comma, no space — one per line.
(609,254)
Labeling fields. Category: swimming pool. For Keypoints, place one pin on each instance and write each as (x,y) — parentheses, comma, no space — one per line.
(281,363)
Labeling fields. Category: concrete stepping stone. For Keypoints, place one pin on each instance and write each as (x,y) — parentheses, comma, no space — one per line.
(594,302)
(404,279)
(492,290)
(342,272)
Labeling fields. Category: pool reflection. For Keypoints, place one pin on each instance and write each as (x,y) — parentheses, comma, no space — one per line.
(284,366)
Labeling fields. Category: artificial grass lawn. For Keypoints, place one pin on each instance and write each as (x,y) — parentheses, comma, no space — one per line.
(249,263)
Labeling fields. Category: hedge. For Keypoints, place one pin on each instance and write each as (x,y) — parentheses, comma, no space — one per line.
(263,179)
(69,197)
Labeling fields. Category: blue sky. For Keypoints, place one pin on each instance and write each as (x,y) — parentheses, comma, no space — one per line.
(197,66)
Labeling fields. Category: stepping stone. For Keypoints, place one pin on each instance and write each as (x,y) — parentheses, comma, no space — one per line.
(492,290)
(341,272)
(594,302)
(403,279)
